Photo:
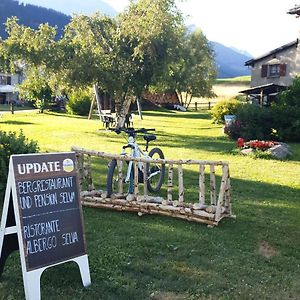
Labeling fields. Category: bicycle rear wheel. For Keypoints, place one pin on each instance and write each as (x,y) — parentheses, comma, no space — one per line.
(156,171)
(112,183)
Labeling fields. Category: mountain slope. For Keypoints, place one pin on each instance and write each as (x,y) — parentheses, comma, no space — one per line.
(77,6)
(30,15)
(230,63)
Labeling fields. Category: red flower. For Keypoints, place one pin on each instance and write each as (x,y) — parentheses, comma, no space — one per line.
(255,144)
(240,142)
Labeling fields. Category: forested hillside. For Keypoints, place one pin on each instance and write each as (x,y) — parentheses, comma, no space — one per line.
(30,15)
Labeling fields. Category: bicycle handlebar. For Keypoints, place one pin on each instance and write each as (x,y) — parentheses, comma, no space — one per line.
(131,130)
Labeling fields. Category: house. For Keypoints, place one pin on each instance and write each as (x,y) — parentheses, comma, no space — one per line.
(273,72)
(8,92)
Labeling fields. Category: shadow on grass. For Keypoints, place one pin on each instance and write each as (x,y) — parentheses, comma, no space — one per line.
(65,115)
(181,115)
(215,144)
(11,122)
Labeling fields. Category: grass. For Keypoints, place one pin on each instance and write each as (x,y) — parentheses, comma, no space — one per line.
(255,256)
(235,80)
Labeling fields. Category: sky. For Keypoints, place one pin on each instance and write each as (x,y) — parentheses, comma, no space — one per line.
(254,26)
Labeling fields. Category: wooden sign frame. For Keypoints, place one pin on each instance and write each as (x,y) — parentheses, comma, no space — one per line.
(17,218)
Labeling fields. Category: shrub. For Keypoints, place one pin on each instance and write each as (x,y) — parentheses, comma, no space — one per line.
(256,122)
(79,103)
(287,113)
(12,143)
(252,122)
(225,107)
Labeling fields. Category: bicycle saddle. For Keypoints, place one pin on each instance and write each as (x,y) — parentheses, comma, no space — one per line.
(149,137)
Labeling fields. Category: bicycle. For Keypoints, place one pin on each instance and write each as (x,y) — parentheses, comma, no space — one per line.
(155,171)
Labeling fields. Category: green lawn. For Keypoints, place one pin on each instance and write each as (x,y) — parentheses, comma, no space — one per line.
(234,80)
(255,256)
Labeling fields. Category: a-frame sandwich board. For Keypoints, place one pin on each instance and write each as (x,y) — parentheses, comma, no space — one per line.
(42,217)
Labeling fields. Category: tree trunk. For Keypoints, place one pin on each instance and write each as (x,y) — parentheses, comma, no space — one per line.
(122,107)
(180,97)
(189,103)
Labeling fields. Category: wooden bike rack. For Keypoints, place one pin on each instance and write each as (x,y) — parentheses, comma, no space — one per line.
(209,210)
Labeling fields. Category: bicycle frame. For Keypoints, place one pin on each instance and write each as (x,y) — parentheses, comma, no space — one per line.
(136,151)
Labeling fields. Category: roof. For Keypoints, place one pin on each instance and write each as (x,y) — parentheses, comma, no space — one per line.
(295,10)
(161,98)
(266,88)
(7,89)
(252,61)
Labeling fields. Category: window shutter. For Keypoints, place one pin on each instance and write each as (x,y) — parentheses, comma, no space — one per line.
(8,80)
(282,70)
(264,70)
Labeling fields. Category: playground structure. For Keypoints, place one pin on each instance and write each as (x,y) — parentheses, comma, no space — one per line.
(213,193)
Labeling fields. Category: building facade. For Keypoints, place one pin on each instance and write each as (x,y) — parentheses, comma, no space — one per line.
(273,72)
(8,91)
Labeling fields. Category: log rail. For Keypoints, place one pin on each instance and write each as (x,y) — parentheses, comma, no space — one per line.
(210,211)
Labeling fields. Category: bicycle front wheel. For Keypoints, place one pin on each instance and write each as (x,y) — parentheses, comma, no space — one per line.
(156,171)
(116,181)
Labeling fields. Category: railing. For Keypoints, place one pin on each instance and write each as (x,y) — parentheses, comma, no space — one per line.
(211,206)
(202,105)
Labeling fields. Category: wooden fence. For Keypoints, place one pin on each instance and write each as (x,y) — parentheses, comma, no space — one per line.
(202,105)
(208,209)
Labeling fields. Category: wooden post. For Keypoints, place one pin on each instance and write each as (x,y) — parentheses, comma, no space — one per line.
(92,108)
(170,183)
(196,106)
(96,90)
(136,179)
(221,193)
(145,175)
(201,184)
(139,107)
(89,173)
(213,196)
(12,107)
(180,184)
(120,176)
(80,158)
(227,194)
(261,97)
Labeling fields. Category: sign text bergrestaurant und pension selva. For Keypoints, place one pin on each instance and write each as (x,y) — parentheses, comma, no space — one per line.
(49,207)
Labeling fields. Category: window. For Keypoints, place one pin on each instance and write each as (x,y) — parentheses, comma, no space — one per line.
(273,70)
(4,80)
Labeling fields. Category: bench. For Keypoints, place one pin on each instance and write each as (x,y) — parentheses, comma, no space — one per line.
(107,118)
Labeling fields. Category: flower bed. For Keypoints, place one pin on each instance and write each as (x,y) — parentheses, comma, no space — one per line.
(264,149)
(256,144)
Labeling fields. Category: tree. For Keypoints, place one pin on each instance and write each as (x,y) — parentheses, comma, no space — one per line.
(152,31)
(36,88)
(195,70)
(144,46)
